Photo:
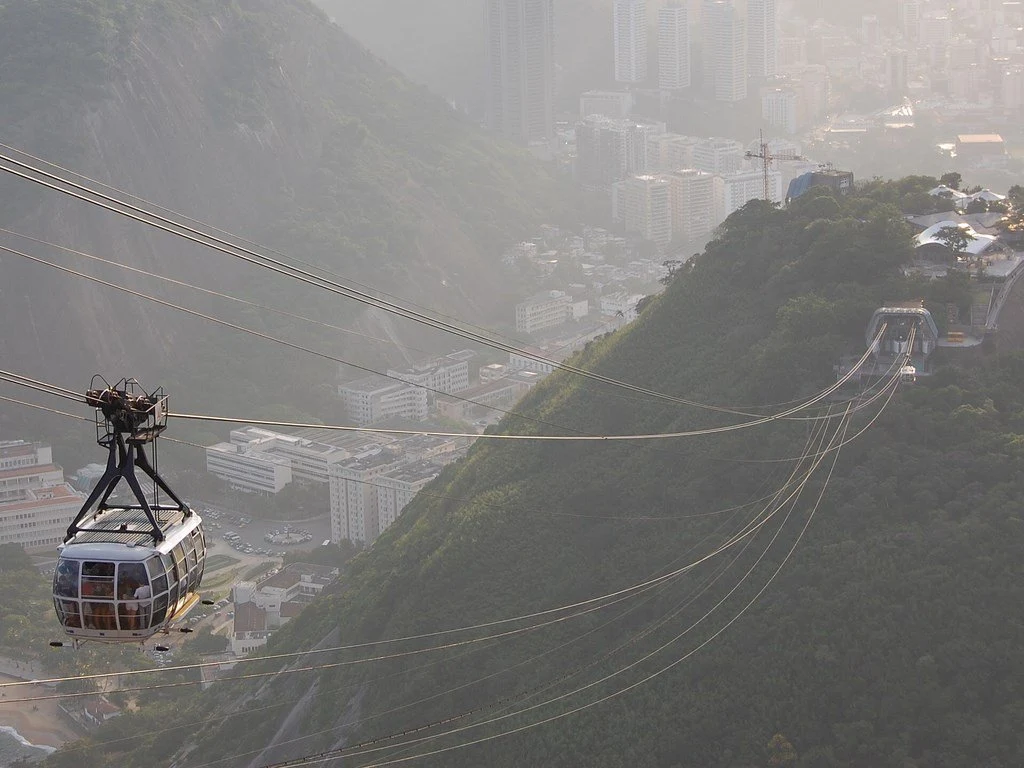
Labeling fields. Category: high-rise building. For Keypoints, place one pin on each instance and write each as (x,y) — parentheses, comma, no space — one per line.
(673,47)
(612,150)
(521,68)
(644,206)
(896,72)
(781,108)
(762,38)
(693,205)
(737,189)
(630,20)
(725,37)
(909,17)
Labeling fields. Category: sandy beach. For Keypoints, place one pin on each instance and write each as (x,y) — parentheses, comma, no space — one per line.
(40,722)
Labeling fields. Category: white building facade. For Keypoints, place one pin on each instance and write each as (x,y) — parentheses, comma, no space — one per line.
(630,37)
(673,47)
(36,505)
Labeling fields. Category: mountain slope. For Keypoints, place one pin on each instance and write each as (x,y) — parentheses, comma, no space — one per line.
(262,118)
(888,639)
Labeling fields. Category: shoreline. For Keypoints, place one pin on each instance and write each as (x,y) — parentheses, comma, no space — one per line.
(41,723)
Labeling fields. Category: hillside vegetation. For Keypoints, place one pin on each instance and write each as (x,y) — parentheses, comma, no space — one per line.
(890,637)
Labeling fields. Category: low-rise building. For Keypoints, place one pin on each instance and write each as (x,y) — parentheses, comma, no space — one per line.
(376,398)
(543,310)
(248,469)
(449,374)
(36,504)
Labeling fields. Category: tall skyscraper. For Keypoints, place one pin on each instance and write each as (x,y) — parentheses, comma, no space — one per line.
(673,47)
(630,20)
(762,38)
(521,68)
(908,14)
(725,37)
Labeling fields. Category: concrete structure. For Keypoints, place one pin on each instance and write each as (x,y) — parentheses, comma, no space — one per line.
(309,459)
(263,606)
(248,469)
(719,155)
(980,146)
(780,108)
(898,321)
(693,205)
(643,205)
(908,14)
(521,68)
(896,73)
(375,398)
(543,310)
(617,105)
(611,150)
(630,38)
(671,152)
(762,38)
(737,189)
(621,304)
(448,374)
(36,505)
(673,47)
(501,392)
(395,489)
(354,514)
(726,38)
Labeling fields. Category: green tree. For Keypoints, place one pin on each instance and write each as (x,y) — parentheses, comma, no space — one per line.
(13,558)
(951,179)
(955,238)
(781,752)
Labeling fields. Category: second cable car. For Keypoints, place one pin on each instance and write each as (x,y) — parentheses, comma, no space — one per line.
(127,571)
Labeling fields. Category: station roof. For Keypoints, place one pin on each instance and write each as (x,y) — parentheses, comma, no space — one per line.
(978,245)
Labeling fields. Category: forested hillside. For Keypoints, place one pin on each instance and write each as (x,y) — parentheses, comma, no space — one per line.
(260,117)
(889,638)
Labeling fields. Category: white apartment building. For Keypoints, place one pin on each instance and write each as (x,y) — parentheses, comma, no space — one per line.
(719,156)
(248,469)
(309,459)
(726,38)
(520,362)
(621,304)
(693,205)
(674,47)
(611,150)
(617,105)
(908,14)
(449,374)
(762,38)
(643,205)
(398,487)
(36,505)
(543,310)
(354,512)
(737,189)
(780,108)
(375,398)
(520,49)
(670,152)
(630,37)
(935,30)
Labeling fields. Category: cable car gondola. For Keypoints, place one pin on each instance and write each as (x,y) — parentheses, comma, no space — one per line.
(127,571)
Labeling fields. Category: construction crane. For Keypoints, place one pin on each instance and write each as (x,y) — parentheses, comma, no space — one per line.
(767,158)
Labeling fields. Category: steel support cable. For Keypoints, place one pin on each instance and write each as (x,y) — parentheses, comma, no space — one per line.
(348,754)
(751,528)
(792,498)
(553,438)
(371,430)
(693,596)
(44,408)
(507,669)
(200,289)
(249,711)
(39,386)
(595,603)
(257,259)
(251,243)
(264,336)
